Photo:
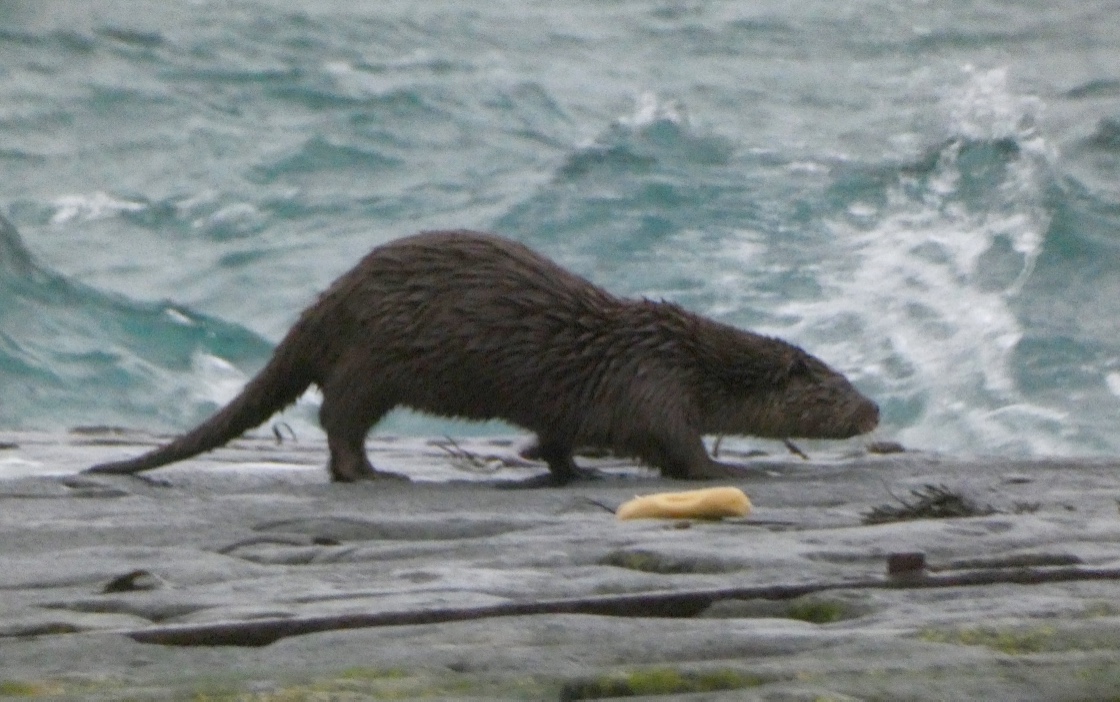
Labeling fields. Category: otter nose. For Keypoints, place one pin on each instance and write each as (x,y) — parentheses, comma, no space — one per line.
(867,417)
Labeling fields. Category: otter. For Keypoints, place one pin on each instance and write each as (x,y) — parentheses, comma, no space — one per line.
(472,325)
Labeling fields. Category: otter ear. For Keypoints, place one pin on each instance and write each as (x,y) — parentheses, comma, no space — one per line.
(798,365)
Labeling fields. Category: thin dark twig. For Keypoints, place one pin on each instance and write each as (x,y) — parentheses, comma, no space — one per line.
(794,450)
(277,426)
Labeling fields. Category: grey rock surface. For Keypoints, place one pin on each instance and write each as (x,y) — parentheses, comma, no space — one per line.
(449,588)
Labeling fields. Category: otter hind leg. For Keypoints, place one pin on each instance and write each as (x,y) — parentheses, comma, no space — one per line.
(347,414)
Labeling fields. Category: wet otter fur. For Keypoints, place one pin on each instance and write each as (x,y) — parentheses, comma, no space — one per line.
(471,325)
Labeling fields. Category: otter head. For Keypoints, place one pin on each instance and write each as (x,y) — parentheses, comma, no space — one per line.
(769,388)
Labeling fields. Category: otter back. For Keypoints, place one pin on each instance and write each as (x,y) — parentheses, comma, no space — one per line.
(471,325)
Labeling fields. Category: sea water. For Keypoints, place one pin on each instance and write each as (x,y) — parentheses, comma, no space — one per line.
(924,194)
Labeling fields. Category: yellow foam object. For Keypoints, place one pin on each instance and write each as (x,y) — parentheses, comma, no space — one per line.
(709,503)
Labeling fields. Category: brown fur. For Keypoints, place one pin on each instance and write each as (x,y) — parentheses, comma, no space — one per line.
(464,324)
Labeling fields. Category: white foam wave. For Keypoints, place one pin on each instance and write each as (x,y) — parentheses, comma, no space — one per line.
(1112,381)
(987,107)
(649,109)
(98,205)
(912,309)
(217,380)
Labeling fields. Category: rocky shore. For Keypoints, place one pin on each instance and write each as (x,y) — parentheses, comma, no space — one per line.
(244,574)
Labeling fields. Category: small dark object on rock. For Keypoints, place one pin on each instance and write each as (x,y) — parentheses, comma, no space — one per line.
(134,581)
(885,447)
(933,502)
(906,564)
(87,429)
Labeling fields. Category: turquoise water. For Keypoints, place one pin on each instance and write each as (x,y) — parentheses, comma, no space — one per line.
(926,195)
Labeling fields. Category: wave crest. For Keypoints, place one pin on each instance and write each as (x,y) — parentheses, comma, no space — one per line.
(72,355)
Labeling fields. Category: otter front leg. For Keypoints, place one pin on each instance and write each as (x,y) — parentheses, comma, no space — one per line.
(683,456)
(562,469)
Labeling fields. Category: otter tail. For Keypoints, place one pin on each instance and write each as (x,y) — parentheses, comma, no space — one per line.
(279,384)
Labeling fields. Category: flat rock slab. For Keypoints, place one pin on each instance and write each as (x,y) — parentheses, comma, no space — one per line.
(245,573)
